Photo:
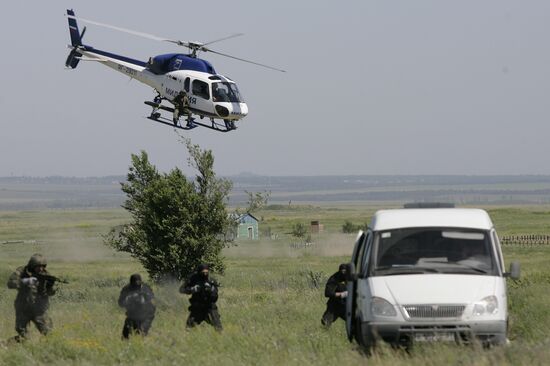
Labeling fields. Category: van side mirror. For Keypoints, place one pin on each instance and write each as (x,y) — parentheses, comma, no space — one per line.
(514,271)
(350,272)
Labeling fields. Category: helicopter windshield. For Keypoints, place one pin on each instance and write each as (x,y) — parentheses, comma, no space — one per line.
(226,92)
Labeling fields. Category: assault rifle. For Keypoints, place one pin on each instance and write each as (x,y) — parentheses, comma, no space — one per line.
(50,278)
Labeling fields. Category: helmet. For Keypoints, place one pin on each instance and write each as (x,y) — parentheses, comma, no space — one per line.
(37,260)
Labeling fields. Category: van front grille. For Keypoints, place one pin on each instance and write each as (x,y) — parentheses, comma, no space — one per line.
(434,311)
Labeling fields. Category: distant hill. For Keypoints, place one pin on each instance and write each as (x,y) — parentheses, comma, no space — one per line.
(21,193)
(63,180)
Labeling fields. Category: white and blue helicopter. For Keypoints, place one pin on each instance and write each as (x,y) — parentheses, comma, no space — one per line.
(189,84)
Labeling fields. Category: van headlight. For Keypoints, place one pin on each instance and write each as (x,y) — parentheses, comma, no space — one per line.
(381,307)
(488,305)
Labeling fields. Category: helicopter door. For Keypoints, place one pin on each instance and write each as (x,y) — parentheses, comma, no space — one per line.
(200,96)
(171,86)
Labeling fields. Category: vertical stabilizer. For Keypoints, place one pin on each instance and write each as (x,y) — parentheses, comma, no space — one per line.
(76,40)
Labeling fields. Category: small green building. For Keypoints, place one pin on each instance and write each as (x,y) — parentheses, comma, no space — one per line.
(247,227)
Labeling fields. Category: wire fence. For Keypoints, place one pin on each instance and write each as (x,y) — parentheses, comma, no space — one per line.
(300,245)
(525,239)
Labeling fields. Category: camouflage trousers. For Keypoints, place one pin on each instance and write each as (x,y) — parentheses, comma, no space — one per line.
(199,314)
(23,316)
(137,326)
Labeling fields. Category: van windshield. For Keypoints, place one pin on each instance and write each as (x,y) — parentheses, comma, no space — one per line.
(433,250)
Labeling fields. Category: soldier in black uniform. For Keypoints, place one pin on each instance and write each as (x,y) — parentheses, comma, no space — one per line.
(138,300)
(336,291)
(204,294)
(33,292)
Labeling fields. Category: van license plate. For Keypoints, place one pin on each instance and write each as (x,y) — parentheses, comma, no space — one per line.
(434,337)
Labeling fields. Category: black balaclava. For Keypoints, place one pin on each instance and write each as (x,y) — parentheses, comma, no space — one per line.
(135,280)
(342,267)
(201,268)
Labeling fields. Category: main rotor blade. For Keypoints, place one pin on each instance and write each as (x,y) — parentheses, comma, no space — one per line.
(129,31)
(224,38)
(242,59)
(194,46)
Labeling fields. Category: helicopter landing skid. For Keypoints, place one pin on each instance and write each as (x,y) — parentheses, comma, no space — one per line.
(157,106)
(215,126)
(165,121)
(157,117)
(191,123)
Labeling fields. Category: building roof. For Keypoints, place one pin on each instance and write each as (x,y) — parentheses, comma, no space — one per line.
(431,217)
(241,217)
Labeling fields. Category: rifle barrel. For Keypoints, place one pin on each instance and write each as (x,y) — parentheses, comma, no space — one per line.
(52,278)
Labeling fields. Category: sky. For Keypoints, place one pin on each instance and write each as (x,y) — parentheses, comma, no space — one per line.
(372,87)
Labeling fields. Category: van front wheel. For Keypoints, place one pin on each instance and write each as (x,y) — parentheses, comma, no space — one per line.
(364,336)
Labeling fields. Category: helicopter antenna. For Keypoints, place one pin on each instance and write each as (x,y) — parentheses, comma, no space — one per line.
(193,46)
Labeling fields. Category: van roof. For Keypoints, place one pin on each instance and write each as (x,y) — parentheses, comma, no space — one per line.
(471,218)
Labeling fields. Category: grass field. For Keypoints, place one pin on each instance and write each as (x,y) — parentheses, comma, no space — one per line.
(271,300)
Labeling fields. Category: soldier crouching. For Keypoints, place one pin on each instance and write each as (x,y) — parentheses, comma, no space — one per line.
(33,292)
(336,291)
(204,294)
(138,300)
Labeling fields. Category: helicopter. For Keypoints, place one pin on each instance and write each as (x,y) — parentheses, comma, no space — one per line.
(189,85)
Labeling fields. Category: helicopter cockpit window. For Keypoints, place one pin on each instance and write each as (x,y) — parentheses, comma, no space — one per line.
(226,92)
(200,89)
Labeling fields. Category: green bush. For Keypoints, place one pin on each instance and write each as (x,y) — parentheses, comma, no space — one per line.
(350,228)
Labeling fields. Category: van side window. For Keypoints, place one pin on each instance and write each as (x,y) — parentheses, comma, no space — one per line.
(200,89)
(186,85)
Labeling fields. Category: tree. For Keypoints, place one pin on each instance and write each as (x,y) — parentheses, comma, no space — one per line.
(176,223)
(257,200)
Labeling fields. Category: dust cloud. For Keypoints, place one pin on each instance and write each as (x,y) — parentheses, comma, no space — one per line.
(68,245)
(325,245)
(74,248)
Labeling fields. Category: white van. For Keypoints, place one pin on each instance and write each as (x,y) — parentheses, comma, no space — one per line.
(425,274)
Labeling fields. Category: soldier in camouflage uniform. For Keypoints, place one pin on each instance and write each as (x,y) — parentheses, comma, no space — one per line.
(138,300)
(204,294)
(33,292)
(336,291)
